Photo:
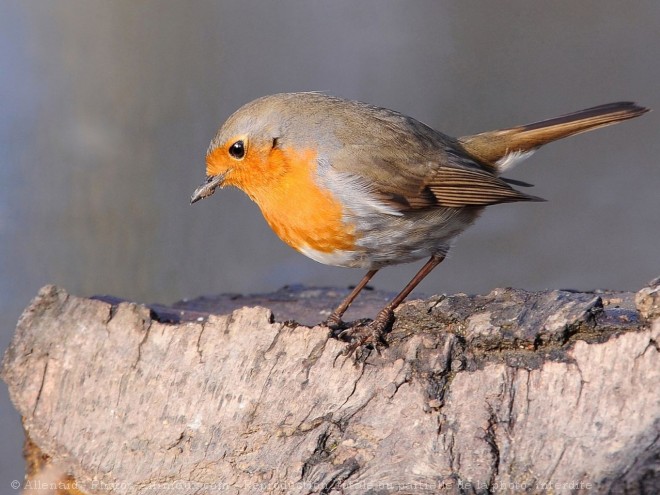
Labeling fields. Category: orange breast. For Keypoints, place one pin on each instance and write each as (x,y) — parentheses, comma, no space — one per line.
(296,208)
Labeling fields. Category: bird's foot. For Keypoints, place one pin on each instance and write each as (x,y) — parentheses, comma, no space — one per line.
(368,336)
(334,322)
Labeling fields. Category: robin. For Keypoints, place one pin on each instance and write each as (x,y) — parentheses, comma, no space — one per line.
(355,185)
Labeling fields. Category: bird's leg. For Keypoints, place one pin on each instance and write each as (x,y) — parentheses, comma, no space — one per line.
(334,320)
(373,333)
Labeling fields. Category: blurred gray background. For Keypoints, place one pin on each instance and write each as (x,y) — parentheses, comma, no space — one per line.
(107,109)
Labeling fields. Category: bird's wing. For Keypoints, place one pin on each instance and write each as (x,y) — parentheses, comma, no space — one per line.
(446,177)
(456,187)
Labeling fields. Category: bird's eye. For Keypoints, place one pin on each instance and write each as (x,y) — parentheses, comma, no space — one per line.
(237,150)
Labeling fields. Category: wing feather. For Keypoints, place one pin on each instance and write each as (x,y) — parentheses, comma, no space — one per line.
(456,187)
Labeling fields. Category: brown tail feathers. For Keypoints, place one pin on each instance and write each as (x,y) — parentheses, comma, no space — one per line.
(495,146)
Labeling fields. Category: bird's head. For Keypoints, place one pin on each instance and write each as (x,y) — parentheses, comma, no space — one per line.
(250,150)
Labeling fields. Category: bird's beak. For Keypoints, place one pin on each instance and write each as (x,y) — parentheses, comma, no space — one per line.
(208,187)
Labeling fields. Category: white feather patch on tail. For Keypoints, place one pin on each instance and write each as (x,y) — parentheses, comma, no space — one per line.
(513,158)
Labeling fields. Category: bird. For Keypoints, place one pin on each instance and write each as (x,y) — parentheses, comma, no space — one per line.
(355,185)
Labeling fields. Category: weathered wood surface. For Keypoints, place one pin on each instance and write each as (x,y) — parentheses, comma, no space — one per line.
(509,392)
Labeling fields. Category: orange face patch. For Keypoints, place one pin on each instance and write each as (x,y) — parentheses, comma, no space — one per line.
(282,182)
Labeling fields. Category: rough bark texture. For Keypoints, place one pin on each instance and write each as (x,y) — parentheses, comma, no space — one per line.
(509,392)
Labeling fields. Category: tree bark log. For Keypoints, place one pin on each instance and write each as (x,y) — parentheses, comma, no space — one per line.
(509,392)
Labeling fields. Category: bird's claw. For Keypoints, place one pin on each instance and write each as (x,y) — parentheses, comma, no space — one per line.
(365,337)
(361,337)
